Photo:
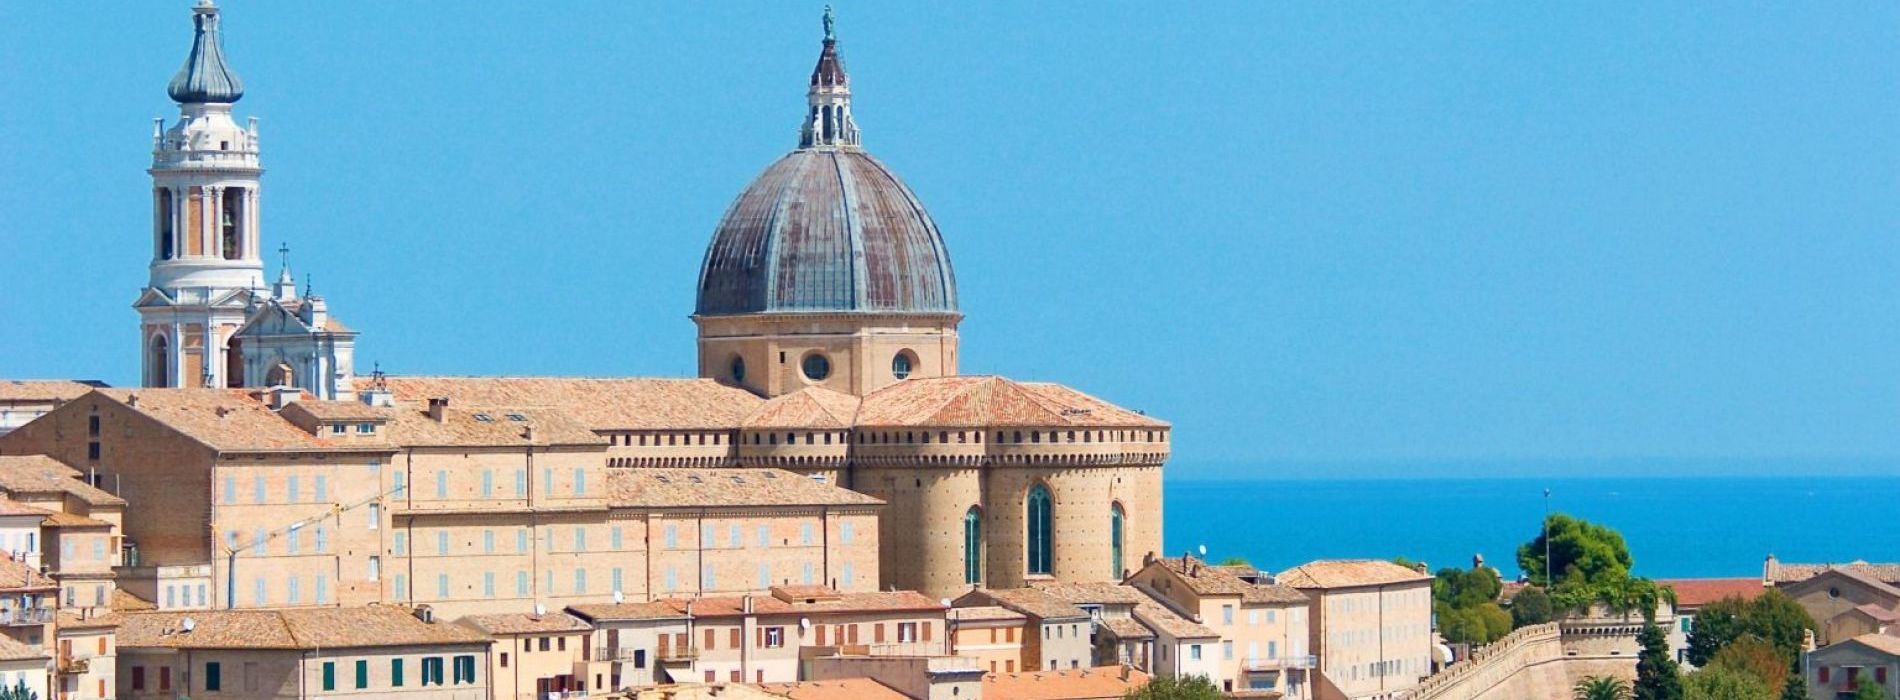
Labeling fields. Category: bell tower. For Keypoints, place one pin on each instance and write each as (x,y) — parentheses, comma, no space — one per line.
(206,260)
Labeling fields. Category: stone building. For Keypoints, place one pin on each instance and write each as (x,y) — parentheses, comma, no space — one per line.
(1263,628)
(23,400)
(1370,624)
(1057,633)
(1837,670)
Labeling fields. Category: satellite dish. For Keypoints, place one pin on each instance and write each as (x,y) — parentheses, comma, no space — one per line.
(540,609)
(944,601)
(804,623)
(187,624)
(619,598)
(1203,550)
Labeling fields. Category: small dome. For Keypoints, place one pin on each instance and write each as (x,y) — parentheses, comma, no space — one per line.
(827,229)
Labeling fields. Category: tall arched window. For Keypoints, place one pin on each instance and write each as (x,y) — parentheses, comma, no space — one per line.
(1115,518)
(973,545)
(1041,526)
(166,239)
(160,362)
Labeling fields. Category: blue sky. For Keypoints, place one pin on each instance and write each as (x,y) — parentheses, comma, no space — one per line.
(1322,238)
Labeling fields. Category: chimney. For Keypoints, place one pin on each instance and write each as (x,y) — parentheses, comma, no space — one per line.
(378,396)
(1770,569)
(438,408)
(223,411)
(747,604)
(281,396)
(133,401)
(1477,560)
(1421,568)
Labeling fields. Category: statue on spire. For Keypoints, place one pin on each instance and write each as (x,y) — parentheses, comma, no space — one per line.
(831,33)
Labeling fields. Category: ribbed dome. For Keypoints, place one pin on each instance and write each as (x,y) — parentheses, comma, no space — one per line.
(827,230)
(205,78)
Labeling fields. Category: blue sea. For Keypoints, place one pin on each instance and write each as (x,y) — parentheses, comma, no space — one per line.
(1675,527)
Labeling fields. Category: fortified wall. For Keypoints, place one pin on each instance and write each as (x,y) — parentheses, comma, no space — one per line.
(1540,661)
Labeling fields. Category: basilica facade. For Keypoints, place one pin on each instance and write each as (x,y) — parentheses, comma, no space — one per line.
(827,320)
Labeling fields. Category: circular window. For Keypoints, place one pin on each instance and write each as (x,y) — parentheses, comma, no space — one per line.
(901,364)
(816,367)
(1833,592)
(738,369)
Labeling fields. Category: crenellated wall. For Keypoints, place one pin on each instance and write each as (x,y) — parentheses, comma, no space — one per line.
(1540,661)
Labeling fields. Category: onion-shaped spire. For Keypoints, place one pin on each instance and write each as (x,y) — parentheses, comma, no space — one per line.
(205,77)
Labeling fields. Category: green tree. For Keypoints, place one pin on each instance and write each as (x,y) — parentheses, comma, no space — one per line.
(1234,561)
(1466,588)
(1175,688)
(1797,686)
(1657,677)
(1777,619)
(1717,683)
(1716,624)
(1756,657)
(19,692)
(1531,606)
(1600,688)
(1578,548)
(1867,689)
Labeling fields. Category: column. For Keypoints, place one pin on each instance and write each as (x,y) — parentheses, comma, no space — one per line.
(175,354)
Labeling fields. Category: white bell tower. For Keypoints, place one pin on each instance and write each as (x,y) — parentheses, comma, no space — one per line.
(206,263)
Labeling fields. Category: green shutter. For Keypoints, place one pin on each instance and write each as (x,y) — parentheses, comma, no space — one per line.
(362,674)
(214,680)
(395,673)
(329,675)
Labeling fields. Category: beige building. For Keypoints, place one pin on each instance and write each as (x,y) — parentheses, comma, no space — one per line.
(85,663)
(1370,624)
(1263,630)
(1118,638)
(22,400)
(1837,670)
(534,655)
(639,644)
(365,652)
(1846,603)
(991,635)
(1057,635)
(760,639)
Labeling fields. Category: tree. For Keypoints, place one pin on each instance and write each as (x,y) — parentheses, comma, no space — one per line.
(1234,561)
(1600,688)
(1657,677)
(1716,683)
(1753,656)
(1716,624)
(18,692)
(1779,620)
(1175,688)
(1867,689)
(1797,686)
(1531,606)
(1578,548)
(1466,588)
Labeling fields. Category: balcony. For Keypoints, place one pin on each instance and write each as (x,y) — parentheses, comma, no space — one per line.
(1278,663)
(614,653)
(666,655)
(69,664)
(22,617)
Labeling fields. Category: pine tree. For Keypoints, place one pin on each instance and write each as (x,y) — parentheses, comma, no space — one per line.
(1657,677)
(1797,686)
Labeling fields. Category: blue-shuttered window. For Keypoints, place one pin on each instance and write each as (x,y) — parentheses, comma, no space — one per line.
(1041,524)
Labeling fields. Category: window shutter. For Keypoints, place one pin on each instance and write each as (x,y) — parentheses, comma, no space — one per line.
(760,633)
(1824,670)
(926,626)
(737,641)
(821,635)
(877,633)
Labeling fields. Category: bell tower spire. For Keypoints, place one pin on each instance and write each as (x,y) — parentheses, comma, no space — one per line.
(207,260)
(828,121)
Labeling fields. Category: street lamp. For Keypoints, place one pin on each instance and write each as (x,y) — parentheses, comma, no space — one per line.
(1548,578)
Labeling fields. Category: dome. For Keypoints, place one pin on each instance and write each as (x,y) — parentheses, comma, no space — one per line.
(827,228)
(205,78)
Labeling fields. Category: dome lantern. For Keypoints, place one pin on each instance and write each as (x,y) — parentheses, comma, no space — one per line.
(205,78)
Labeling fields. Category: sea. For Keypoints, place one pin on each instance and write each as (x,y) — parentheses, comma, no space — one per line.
(1675,527)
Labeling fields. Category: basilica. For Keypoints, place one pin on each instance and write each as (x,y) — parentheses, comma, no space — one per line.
(828,349)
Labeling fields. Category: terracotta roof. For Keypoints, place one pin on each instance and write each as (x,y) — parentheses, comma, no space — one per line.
(697,488)
(339,410)
(1164,620)
(63,519)
(14,651)
(1028,601)
(42,474)
(985,613)
(472,426)
(1885,643)
(627,611)
(1853,574)
(1204,580)
(1696,592)
(69,620)
(17,575)
(44,389)
(879,601)
(810,407)
(9,506)
(1347,573)
(985,401)
(229,420)
(524,623)
(840,689)
(296,628)
(1071,684)
(598,403)
(1098,593)
(122,601)
(1127,628)
(1877,613)
(1790,573)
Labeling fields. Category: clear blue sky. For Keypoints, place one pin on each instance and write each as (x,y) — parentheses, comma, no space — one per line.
(1319,237)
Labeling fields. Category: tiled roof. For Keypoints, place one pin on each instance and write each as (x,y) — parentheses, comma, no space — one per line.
(1204,579)
(1790,573)
(1164,620)
(14,651)
(297,628)
(9,506)
(985,401)
(524,623)
(1877,613)
(1885,643)
(1098,593)
(598,403)
(627,611)
(732,487)
(42,474)
(340,410)
(228,420)
(1697,592)
(1857,575)
(69,620)
(43,389)
(63,519)
(1347,573)
(810,407)
(1127,628)
(839,689)
(17,575)
(122,601)
(484,426)
(985,613)
(1028,601)
(879,601)
(1070,684)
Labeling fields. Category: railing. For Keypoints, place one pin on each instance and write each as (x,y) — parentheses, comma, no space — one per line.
(1255,664)
(614,653)
(678,654)
(26,616)
(69,664)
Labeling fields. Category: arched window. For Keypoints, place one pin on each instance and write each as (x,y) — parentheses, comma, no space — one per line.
(1115,518)
(166,238)
(973,546)
(229,220)
(1041,525)
(160,362)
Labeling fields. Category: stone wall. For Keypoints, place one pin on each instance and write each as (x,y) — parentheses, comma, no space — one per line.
(1540,661)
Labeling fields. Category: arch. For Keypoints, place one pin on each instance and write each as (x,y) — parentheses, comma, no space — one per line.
(230,223)
(1116,520)
(1040,524)
(973,545)
(167,238)
(158,363)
